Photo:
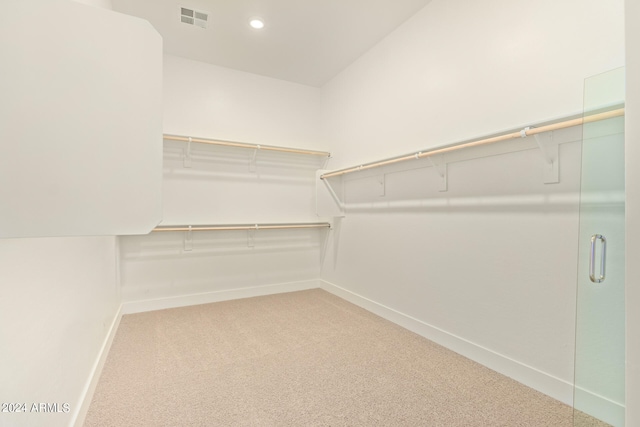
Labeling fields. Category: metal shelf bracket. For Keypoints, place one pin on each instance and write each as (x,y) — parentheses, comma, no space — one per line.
(252,161)
(550,156)
(440,167)
(188,240)
(382,184)
(251,237)
(186,160)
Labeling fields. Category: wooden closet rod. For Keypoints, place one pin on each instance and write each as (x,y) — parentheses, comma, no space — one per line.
(245,145)
(240,227)
(524,132)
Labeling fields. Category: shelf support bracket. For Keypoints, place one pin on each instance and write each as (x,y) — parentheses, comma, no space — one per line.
(251,237)
(382,184)
(550,156)
(252,161)
(440,167)
(186,159)
(188,240)
(326,161)
(328,203)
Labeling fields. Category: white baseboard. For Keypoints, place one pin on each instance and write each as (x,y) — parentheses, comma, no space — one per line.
(92,382)
(551,386)
(600,407)
(131,307)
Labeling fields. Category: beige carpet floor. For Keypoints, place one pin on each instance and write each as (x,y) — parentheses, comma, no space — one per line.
(300,359)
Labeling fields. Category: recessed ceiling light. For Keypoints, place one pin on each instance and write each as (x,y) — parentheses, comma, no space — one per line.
(256,23)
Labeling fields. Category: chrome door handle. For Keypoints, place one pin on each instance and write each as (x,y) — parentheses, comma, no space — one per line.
(603,259)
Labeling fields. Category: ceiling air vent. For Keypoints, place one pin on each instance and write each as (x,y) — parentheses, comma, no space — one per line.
(193,17)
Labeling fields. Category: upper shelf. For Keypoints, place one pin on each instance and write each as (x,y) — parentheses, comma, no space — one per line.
(236,227)
(528,131)
(245,145)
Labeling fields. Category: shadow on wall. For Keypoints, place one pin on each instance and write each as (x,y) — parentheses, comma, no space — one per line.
(507,182)
(513,176)
(201,161)
(206,184)
(167,264)
(206,244)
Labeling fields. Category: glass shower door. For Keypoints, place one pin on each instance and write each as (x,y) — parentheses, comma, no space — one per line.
(600,313)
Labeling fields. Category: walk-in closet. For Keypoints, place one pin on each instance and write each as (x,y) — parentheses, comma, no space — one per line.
(339,212)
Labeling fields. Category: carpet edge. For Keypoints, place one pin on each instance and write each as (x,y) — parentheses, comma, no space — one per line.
(131,307)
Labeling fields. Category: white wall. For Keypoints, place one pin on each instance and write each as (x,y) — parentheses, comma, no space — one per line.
(220,186)
(489,266)
(458,70)
(105,4)
(213,102)
(216,102)
(59,301)
(632,156)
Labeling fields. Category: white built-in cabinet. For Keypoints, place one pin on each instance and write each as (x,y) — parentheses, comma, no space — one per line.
(81,121)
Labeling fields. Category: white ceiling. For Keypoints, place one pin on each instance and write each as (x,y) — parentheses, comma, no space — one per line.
(304,41)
